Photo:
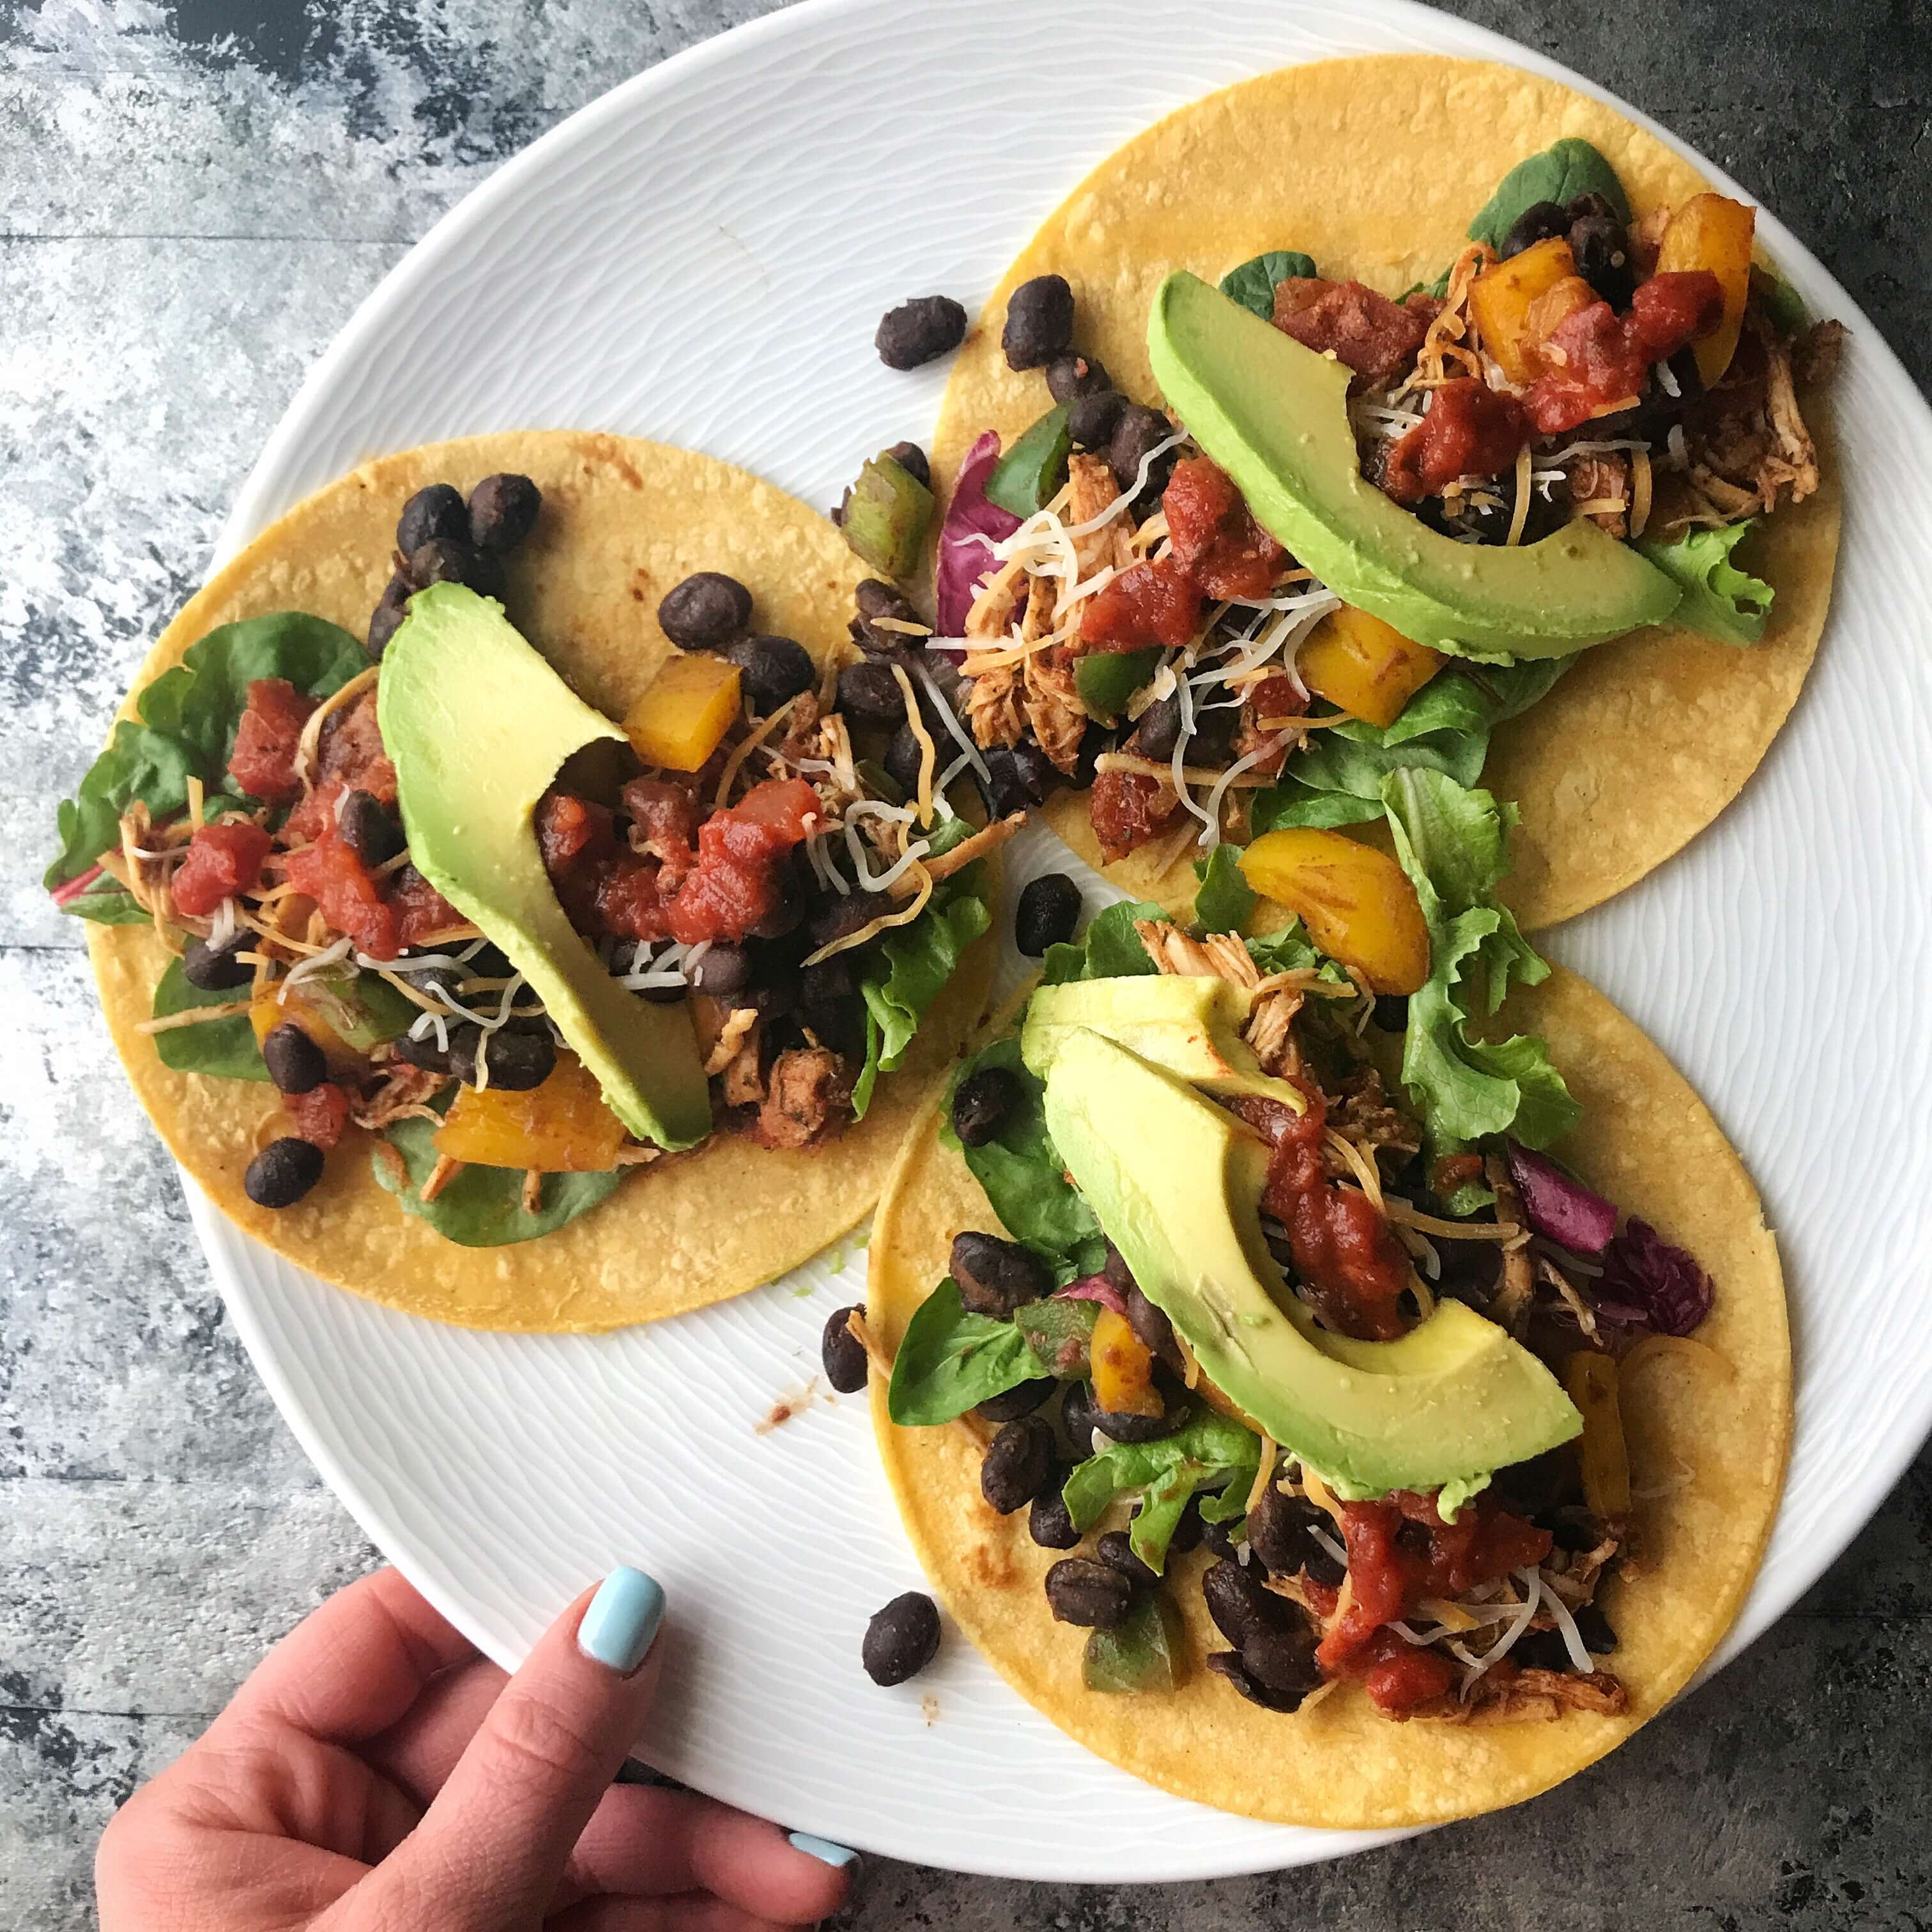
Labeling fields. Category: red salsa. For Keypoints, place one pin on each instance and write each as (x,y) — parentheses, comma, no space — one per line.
(1128,808)
(1367,332)
(222,860)
(1471,430)
(1216,539)
(318,1115)
(347,893)
(1147,605)
(1596,361)
(262,764)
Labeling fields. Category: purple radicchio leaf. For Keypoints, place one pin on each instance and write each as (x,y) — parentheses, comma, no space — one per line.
(1645,1277)
(1560,1209)
(964,558)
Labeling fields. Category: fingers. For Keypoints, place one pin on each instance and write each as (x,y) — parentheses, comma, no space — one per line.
(493,1847)
(419,1753)
(693,1912)
(355,1666)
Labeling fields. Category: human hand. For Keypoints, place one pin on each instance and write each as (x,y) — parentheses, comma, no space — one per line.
(376,1774)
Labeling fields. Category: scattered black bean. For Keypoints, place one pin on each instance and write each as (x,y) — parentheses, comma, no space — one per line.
(843,1354)
(1392,1012)
(1007,793)
(517,1061)
(1116,1550)
(1013,1403)
(214,969)
(1049,1522)
(839,918)
(877,598)
(1076,1418)
(1595,1628)
(1159,730)
(1602,252)
(912,460)
(1139,432)
(1115,1271)
(1073,375)
(435,511)
(503,511)
(1573,1527)
(1017,1465)
(771,669)
(1226,1663)
(1220,1539)
(1189,1528)
(1048,911)
(868,691)
(1237,1599)
(1092,1595)
(367,828)
(983,1103)
(1540,1650)
(1155,1330)
(726,968)
(903,758)
(1213,739)
(995,1277)
(705,612)
(1033,771)
(920,331)
(1082,1417)
(1095,415)
(1589,203)
(1539,222)
(1542,1483)
(423,1052)
(388,614)
(1039,322)
(790,908)
(295,1062)
(283,1172)
(901,1639)
(442,560)
(1278,1527)
(1279,1655)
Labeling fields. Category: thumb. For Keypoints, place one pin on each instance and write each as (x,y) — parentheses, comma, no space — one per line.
(490,1851)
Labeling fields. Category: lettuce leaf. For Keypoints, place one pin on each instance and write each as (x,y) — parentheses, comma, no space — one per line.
(1719,600)
(1224,900)
(1209,1452)
(1110,948)
(1453,843)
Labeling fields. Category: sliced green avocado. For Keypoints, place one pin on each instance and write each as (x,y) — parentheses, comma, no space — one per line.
(477,725)
(1176,1183)
(1191,1025)
(1274,416)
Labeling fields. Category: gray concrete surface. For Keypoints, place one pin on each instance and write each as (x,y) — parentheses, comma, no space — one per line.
(192,198)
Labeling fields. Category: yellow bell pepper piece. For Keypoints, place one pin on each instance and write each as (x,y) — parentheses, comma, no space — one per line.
(685,712)
(1123,1368)
(1363,666)
(1711,231)
(1356,903)
(1590,1381)
(562,1127)
(1501,297)
(309,1012)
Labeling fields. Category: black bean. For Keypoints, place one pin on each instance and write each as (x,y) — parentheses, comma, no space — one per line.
(1048,911)
(901,1639)
(1076,1418)
(726,968)
(843,1354)
(295,1062)
(831,980)
(1015,1402)
(1039,322)
(903,757)
(1116,1550)
(1280,1655)
(1017,1465)
(771,669)
(1218,1538)
(388,614)
(1139,432)
(214,969)
(283,1172)
(983,1103)
(705,612)
(1159,730)
(920,331)
(1595,1628)
(1049,1522)
(995,1277)
(1392,1012)
(789,910)
(839,918)
(870,692)
(435,511)
(912,460)
(503,511)
(444,560)
(1082,1417)
(1226,1663)
(1542,1483)
(877,598)
(1213,739)
(516,1060)
(1236,1600)
(1033,771)
(1602,252)
(1573,1527)
(367,828)
(1092,420)
(1318,1567)
(1190,1528)
(1073,375)
(424,1053)
(1093,1595)
(1540,1650)
(1155,1330)
(1006,794)
(1589,203)
(1539,222)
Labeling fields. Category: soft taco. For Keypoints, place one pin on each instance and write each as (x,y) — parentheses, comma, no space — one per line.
(1343,1411)
(1391,411)
(547,951)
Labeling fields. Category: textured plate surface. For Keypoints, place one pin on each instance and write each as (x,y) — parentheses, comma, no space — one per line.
(701,257)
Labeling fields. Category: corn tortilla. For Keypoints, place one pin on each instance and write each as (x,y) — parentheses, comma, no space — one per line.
(1375,166)
(1646,1140)
(622,521)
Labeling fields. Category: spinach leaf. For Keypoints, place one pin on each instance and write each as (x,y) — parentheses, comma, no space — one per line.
(107,902)
(949,1360)
(188,718)
(1784,304)
(1559,174)
(483,1206)
(1060,1333)
(1224,900)
(1719,600)
(225,1049)
(1028,477)
(1254,283)
(1110,948)
(1207,1451)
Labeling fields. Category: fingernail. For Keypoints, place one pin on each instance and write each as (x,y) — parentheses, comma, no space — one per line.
(622,1618)
(823,1849)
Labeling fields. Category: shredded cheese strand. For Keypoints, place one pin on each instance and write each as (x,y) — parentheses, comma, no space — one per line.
(735,764)
(928,752)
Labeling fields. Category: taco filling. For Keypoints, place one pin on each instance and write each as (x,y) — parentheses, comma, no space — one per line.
(1279,1264)
(1206,614)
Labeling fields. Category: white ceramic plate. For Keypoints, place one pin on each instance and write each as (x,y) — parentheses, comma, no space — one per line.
(700,256)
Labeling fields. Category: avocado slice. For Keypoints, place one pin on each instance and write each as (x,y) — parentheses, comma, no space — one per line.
(1189,1024)
(477,725)
(1176,1183)
(1274,416)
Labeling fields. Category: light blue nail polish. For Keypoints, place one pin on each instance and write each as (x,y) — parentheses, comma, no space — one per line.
(622,1618)
(823,1850)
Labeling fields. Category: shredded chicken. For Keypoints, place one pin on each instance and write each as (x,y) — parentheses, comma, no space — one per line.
(402,1092)
(1758,450)
(1453,338)
(1507,1695)
(737,1025)
(1603,481)
(1276,999)
(1512,1305)
(1362,1113)
(809,1092)
(1269,1030)
(1092,491)
(1573,1575)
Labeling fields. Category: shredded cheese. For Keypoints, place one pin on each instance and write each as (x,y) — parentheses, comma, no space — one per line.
(928,752)
(1264,1473)
(1640,484)
(735,764)
(196,792)
(194,1016)
(1520,516)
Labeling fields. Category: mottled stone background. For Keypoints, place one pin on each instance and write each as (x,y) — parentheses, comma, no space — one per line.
(193,199)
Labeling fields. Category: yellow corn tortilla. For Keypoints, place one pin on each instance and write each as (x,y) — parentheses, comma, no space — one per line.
(622,521)
(1707,1446)
(1375,166)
